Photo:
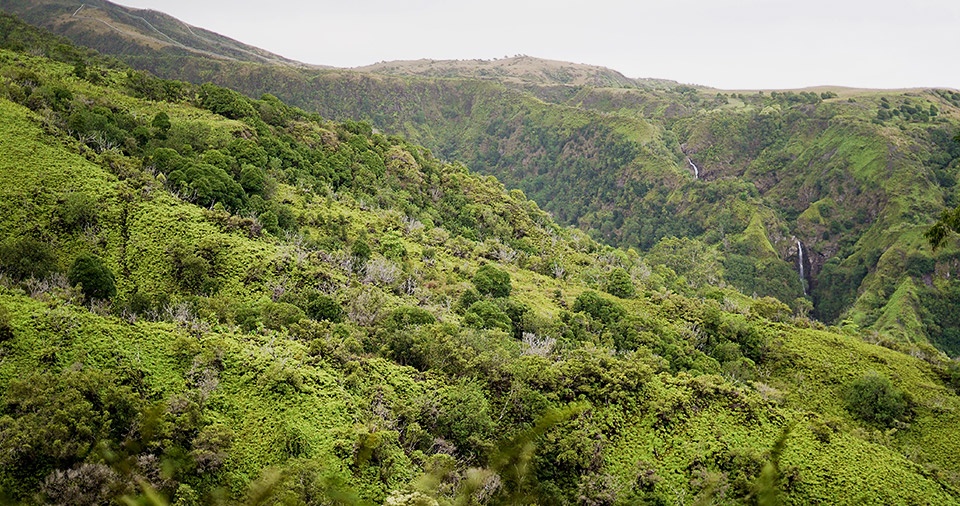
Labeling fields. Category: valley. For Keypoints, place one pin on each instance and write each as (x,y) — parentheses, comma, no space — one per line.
(230,278)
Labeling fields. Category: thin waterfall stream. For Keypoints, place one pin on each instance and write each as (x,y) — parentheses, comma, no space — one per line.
(696,170)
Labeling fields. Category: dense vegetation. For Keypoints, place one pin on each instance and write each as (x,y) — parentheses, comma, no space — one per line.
(207,298)
(851,179)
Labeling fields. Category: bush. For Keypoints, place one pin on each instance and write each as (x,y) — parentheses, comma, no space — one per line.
(952,374)
(77,211)
(208,184)
(6,330)
(193,267)
(252,179)
(518,314)
(492,281)
(874,399)
(771,309)
(277,315)
(918,265)
(360,251)
(467,299)
(323,307)
(619,284)
(486,314)
(27,257)
(600,309)
(94,277)
(463,417)
(407,316)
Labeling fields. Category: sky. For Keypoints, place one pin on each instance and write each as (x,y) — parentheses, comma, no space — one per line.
(727,44)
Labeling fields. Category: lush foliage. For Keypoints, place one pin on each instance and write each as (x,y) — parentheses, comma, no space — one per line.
(95,279)
(363,323)
(874,399)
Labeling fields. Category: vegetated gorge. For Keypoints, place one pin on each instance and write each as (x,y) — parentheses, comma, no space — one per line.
(212,298)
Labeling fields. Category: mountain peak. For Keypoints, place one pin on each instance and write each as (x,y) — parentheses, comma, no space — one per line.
(97,23)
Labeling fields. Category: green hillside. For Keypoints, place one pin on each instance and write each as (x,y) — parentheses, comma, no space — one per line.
(131,31)
(207,298)
(851,177)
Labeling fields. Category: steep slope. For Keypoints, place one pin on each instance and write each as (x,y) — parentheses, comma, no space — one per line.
(620,164)
(304,311)
(116,29)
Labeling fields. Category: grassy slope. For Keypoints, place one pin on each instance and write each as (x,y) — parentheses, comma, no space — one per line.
(700,434)
(832,153)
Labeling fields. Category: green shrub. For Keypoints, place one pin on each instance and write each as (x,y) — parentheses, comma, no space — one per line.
(77,211)
(619,284)
(226,102)
(492,281)
(324,307)
(518,314)
(252,179)
(360,251)
(951,374)
(6,330)
(771,309)
(94,277)
(26,257)
(161,122)
(407,316)
(599,308)
(467,299)
(277,315)
(919,265)
(207,184)
(193,267)
(486,314)
(874,399)
(464,417)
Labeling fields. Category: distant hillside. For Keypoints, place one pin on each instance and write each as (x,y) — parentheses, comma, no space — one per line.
(120,30)
(521,70)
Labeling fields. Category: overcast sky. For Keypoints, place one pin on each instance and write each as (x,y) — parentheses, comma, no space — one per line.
(730,44)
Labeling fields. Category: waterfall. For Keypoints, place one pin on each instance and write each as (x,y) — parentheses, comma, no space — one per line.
(696,170)
(803,277)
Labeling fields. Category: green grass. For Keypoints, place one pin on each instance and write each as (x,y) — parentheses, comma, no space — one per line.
(668,388)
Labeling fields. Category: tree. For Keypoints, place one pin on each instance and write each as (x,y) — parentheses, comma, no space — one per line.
(252,179)
(949,222)
(161,122)
(360,251)
(492,281)
(6,329)
(599,308)
(94,277)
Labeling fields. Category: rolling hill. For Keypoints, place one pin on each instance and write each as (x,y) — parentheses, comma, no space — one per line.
(208,298)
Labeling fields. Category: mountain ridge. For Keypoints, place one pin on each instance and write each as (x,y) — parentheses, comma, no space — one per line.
(519,69)
(211,298)
(57,14)
(151,29)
